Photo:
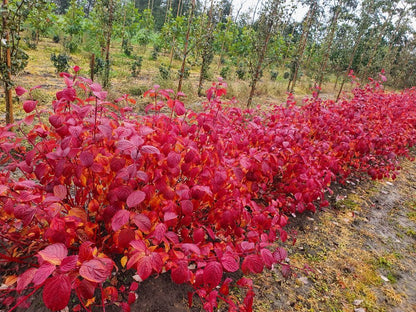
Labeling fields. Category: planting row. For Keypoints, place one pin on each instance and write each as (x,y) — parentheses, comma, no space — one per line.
(91,190)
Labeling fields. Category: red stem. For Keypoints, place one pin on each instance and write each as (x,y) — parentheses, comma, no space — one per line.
(24,298)
(102,297)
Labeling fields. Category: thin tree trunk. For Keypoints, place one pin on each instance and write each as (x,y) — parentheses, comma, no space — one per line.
(207,51)
(367,68)
(328,45)
(171,51)
(258,70)
(108,45)
(168,7)
(123,27)
(8,80)
(302,46)
(254,12)
(388,59)
(179,7)
(354,52)
(185,49)
(92,65)
(260,60)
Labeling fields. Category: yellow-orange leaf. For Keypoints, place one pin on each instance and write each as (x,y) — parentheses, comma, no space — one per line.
(123,261)
(10,280)
(79,213)
(90,302)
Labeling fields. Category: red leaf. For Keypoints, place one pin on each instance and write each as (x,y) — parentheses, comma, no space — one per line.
(169,215)
(189,248)
(57,292)
(212,274)
(280,254)
(86,158)
(100,94)
(131,297)
(135,198)
(180,274)
(68,264)
(68,94)
(60,191)
(125,307)
(25,279)
(25,213)
(55,120)
(86,289)
(86,251)
(120,219)
(173,159)
(96,270)
(157,262)
(139,245)
(148,149)
(159,231)
(125,237)
(198,235)
(283,235)
(54,254)
(143,222)
(179,108)
(252,264)
(134,286)
(29,105)
(286,270)
(28,120)
(95,87)
(125,145)
(42,273)
(268,258)
(229,263)
(187,207)
(20,90)
(144,267)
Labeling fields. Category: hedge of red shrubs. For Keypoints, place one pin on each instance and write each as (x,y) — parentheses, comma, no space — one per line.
(98,190)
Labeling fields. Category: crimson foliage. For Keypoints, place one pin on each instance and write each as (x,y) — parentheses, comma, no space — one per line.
(99,190)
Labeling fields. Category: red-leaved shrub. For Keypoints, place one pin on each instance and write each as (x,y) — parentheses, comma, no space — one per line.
(98,190)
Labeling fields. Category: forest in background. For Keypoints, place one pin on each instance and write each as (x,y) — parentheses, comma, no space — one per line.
(215,38)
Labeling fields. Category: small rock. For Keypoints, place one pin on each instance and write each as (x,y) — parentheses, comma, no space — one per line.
(389,183)
(384,192)
(384,278)
(357,302)
(359,310)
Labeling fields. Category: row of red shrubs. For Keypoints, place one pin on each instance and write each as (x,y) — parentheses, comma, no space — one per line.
(99,190)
